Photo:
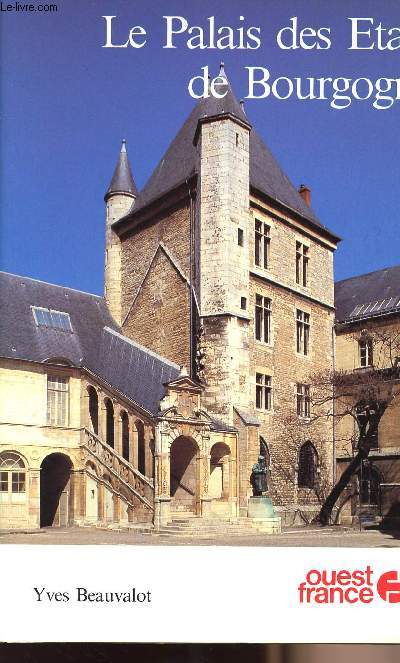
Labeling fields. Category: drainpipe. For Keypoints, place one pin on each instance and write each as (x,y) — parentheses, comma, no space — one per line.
(191,224)
(333,408)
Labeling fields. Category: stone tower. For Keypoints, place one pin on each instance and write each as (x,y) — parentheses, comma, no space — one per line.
(119,198)
(222,141)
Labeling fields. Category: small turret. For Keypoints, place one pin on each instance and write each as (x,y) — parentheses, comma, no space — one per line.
(119,198)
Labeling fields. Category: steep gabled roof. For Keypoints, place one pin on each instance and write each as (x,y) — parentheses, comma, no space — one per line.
(94,342)
(179,163)
(122,180)
(369,295)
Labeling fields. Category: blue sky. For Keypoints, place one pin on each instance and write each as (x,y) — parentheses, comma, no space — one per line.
(66,103)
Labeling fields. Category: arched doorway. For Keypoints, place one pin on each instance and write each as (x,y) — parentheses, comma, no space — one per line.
(109,423)
(13,490)
(184,480)
(219,471)
(141,451)
(125,435)
(55,491)
(93,410)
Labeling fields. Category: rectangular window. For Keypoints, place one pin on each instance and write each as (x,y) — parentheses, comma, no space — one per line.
(302,332)
(243,303)
(3,482)
(57,400)
(240,237)
(263,319)
(302,260)
(18,482)
(262,244)
(263,392)
(366,352)
(303,400)
(45,317)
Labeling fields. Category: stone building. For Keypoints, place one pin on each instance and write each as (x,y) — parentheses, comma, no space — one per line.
(368,340)
(218,265)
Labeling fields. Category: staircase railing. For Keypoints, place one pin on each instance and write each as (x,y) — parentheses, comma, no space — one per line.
(140,486)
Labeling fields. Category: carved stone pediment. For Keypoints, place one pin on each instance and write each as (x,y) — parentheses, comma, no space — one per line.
(182,398)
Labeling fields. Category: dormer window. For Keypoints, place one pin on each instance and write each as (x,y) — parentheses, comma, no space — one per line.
(45,317)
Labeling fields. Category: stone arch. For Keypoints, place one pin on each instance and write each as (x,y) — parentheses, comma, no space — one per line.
(14,489)
(184,474)
(125,436)
(141,446)
(308,465)
(93,407)
(56,503)
(109,407)
(219,487)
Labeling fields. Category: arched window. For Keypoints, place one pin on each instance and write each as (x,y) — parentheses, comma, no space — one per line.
(12,478)
(125,435)
(308,462)
(264,451)
(93,410)
(109,423)
(141,447)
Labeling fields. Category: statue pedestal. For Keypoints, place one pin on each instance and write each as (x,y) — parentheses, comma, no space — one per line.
(261,507)
(261,511)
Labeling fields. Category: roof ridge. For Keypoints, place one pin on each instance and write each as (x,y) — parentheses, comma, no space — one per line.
(142,347)
(375,271)
(53,285)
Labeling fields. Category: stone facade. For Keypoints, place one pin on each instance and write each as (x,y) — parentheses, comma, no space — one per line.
(101,470)
(155,285)
(380,496)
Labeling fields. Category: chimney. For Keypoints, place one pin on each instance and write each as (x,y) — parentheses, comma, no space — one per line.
(305,193)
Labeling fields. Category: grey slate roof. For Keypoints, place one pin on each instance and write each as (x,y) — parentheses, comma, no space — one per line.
(122,180)
(377,293)
(94,344)
(179,163)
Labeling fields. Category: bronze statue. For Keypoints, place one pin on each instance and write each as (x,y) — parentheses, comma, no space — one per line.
(258,477)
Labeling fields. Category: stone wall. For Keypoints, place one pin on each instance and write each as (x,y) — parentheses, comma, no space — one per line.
(155,290)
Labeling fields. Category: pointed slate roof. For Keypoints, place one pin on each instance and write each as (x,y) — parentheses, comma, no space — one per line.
(179,162)
(122,180)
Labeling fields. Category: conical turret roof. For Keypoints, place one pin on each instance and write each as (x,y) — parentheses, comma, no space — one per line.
(180,161)
(122,180)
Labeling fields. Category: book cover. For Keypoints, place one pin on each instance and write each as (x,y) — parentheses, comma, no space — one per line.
(200,340)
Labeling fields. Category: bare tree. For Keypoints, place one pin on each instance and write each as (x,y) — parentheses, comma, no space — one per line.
(363,396)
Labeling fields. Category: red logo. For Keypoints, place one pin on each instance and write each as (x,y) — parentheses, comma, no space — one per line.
(388,587)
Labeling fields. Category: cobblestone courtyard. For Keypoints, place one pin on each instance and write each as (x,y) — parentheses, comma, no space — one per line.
(335,537)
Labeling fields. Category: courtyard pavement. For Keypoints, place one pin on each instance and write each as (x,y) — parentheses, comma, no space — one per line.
(305,536)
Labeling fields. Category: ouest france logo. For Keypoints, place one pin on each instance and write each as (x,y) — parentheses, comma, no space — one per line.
(349,587)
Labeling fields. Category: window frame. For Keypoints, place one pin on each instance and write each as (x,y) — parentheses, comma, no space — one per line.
(264,396)
(262,244)
(263,319)
(65,402)
(303,400)
(11,476)
(365,345)
(308,476)
(302,264)
(303,333)
(55,319)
